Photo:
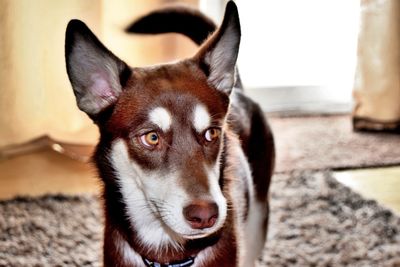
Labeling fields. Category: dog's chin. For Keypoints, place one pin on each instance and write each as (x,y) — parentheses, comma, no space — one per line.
(200,234)
(196,236)
(190,234)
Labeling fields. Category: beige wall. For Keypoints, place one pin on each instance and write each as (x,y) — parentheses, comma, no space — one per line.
(35,95)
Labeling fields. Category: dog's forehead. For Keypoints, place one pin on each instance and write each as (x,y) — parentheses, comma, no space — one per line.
(180,77)
(170,93)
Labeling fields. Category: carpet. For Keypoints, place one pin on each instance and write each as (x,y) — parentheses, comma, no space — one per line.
(315,221)
(329,142)
(50,231)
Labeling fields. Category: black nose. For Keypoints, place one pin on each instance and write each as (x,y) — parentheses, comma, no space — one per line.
(201,214)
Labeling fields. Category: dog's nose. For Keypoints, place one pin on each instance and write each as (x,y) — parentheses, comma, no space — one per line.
(201,214)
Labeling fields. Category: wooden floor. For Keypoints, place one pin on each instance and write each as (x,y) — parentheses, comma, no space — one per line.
(48,172)
(381,184)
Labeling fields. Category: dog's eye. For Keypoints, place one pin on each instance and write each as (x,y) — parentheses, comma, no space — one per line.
(212,134)
(150,139)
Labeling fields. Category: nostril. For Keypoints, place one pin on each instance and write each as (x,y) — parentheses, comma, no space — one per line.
(212,221)
(201,214)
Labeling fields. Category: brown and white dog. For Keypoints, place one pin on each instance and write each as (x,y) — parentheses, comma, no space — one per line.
(185,157)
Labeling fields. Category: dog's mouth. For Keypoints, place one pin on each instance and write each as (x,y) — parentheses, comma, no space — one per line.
(207,240)
(196,235)
(192,234)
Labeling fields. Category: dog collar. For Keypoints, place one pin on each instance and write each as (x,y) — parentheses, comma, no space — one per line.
(183,263)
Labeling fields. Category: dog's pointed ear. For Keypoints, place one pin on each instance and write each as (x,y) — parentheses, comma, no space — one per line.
(97,76)
(218,55)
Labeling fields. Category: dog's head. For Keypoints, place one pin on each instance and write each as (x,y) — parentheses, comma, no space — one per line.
(163,126)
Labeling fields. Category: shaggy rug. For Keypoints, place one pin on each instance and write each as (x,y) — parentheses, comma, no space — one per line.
(329,142)
(315,222)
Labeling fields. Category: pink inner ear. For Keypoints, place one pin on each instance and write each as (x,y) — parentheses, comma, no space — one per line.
(101,86)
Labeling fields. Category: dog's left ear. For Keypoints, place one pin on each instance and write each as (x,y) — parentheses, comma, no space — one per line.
(218,54)
(97,75)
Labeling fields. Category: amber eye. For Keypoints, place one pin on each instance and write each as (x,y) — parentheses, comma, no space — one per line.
(150,139)
(212,134)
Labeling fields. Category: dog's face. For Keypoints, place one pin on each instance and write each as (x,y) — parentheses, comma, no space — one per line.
(163,127)
(172,138)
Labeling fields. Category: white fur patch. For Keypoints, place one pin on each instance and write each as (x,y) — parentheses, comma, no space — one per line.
(201,118)
(216,194)
(254,241)
(149,228)
(128,254)
(205,256)
(161,117)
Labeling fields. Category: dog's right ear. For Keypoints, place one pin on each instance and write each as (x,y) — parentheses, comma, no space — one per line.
(97,75)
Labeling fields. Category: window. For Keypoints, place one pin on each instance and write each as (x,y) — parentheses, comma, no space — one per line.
(297,54)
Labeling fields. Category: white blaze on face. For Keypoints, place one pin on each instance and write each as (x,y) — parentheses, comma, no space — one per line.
(216,193)
(201,118)
(161,117)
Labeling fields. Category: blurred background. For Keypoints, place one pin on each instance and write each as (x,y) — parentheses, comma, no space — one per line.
(331,65)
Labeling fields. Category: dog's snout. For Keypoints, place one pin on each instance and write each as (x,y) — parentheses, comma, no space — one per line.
(201,214)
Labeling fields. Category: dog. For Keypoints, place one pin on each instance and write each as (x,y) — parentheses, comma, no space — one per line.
(184,156)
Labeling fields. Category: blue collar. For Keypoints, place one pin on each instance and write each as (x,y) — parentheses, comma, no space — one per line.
(183,263)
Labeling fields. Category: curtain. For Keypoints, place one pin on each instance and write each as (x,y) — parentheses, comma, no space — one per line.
(377,82)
